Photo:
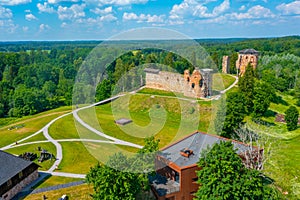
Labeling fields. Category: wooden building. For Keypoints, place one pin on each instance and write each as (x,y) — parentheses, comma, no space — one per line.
(176,166)
(15,174)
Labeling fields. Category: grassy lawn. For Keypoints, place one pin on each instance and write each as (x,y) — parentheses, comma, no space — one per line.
(76,192)
(222,81)
(159,116)
(55,180)
(287,101)
(33,148)
(30,126)
(64,128)
(76,158)
(38,137)
(67,128)
(7,122)
(284,166)
(157,92)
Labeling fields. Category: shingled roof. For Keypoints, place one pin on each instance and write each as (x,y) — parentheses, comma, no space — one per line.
(249,51)
(196,142)
(11,165)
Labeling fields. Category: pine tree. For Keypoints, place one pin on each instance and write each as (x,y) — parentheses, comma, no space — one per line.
(291,118)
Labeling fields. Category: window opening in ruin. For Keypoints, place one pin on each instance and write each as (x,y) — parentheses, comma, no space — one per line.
(188,79)
(201,83)
(193,85)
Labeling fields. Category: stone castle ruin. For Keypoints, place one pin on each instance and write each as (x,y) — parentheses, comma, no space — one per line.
(197,85)
(226,64)
(245,57)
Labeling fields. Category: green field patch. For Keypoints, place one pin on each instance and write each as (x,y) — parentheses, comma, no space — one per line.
(284,167)
(5,123)
(157,92)
(64,128)
(284,104)
(168,119)
(29,126)
(55,180)
(33,148)
(76,158)
(75,192)
(222,81)
(38,137)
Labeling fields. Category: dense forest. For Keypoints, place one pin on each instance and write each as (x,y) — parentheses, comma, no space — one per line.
(38,76)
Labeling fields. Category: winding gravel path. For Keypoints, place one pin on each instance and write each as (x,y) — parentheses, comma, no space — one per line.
(59,154)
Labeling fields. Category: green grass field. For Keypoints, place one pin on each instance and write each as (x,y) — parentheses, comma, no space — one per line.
(38,137)
(283,165)
(76,158)
(67,128)
(55,180)
(222,81)
(158,115)
(76,192)
(31,125)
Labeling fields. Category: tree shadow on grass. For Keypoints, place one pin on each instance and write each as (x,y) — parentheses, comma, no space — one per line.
(260,121)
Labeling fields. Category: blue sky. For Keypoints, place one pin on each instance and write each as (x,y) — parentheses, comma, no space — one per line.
(101,19)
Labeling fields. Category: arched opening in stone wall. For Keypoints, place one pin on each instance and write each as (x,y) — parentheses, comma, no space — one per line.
(193,85)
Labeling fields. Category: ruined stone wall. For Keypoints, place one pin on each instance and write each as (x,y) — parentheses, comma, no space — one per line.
(17,188)
(244,60)
(195,85)
(226,64)
(165,81)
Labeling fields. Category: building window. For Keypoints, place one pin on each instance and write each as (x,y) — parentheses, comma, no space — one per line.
(9,182)
(193,85)
(20,175)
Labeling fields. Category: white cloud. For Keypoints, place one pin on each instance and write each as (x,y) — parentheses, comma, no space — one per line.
(107,18)
(5,13)
(7,25)
(30,17)
(13,2)
(143,18)
(45,8)
(290,8)
(25,28)
(63,25)
(130,16)
(44,27)
(98,11)
(73,12)
(255,12)
(28,11)
(116,2)
(242,8)
(221,8)
(58,1)
(193,9)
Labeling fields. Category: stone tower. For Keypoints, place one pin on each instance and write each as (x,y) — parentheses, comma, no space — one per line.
(245,57)
(226,64)
(207,82)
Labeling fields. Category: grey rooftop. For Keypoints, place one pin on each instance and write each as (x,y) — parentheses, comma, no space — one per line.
(196,142)
(249,51)
(151,70)
(10,166)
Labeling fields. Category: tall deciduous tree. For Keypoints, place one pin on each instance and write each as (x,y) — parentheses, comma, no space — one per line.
(235,113)
(246,86)
(223,176)
(263,93)
(291,118)
(123,177)
(113,183)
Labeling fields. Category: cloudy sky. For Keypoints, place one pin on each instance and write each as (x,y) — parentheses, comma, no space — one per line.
(101,19)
